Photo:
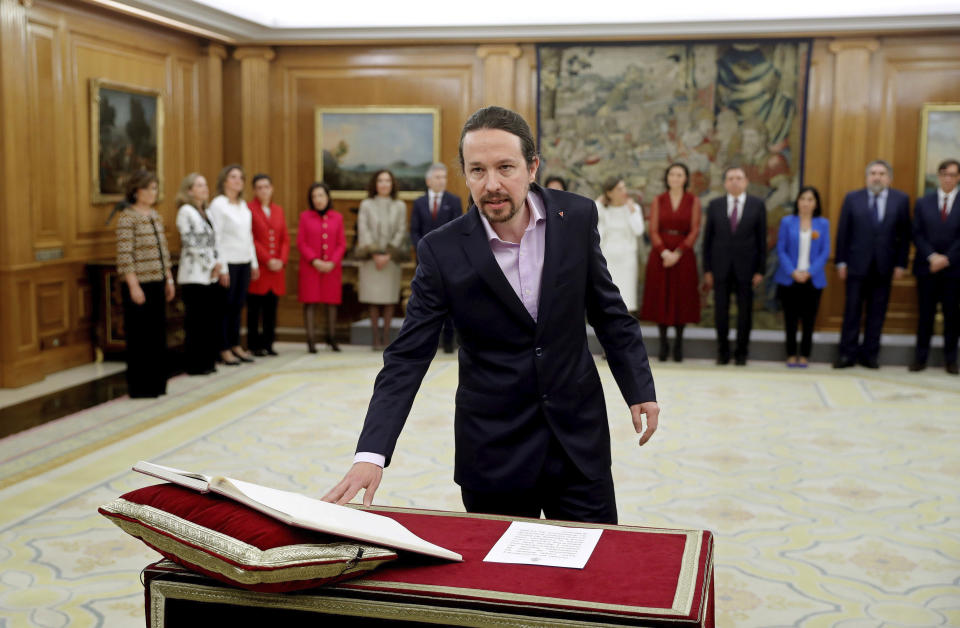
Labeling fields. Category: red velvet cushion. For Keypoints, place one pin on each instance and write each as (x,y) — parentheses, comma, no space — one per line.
(236,544)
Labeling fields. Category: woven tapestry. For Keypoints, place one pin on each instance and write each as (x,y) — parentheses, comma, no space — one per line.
(630,110)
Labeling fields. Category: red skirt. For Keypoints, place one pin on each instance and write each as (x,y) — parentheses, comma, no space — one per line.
(670,295)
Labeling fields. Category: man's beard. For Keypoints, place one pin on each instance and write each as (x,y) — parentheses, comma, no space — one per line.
(491,218)
(875,188)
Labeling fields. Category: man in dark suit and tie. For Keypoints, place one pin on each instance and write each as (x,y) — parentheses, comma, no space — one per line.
(873,241)
(936,234)
(434,209)
(517,273)
(734,259)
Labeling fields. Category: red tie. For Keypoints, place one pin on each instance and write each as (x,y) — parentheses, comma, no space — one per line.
(433,212)
(733,215)
(943,210)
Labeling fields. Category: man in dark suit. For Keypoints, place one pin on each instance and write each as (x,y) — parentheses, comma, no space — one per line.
(518,273)
(734,259)
(936,233)
(873,241)
(434,209)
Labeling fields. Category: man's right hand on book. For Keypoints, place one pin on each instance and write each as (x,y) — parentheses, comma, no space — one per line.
(362,475)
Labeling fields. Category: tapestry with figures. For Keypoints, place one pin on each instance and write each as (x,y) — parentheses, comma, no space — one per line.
(630,110)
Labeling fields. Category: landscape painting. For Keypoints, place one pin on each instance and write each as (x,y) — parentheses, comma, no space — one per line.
(352,143)
(939,140)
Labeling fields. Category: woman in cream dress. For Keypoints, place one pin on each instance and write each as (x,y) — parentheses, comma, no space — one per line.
(381,232)
(620,222)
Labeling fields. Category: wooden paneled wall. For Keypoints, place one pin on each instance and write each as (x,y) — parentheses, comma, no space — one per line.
(48,54)
(255,105)
(864,103)
(456,79)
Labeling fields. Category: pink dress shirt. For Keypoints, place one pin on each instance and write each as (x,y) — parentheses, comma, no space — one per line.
(522,265)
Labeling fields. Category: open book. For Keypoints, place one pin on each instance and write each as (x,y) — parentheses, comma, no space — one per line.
(304,512)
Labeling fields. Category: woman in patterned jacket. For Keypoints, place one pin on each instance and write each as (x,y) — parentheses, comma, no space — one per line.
(143,263)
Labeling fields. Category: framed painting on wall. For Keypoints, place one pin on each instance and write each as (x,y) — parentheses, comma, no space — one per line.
(126,135)
(352,143)
(939,140)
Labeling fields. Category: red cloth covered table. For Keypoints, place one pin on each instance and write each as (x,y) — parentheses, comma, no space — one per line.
(635,577)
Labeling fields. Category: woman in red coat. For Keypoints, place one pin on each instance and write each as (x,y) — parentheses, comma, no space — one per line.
(322,245)
(272,243)
(670,294)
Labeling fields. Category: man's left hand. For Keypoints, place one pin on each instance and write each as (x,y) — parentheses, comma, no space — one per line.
(899,272)
(652,410)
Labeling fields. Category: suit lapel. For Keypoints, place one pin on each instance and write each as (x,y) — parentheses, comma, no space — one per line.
(553,247)
(954,211)
(723,219)
(477,248)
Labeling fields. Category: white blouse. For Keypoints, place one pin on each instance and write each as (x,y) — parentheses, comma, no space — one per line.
(803,255)
(232,223)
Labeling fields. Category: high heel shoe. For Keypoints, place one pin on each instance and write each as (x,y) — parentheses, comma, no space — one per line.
(242,357)
(333,344)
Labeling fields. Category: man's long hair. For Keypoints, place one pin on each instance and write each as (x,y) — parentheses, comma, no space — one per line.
(503,120)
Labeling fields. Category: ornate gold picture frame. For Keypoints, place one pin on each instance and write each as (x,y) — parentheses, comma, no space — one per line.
(352,143)
(126,134)
(939,140)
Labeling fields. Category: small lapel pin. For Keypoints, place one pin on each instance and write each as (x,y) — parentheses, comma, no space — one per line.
(560,213)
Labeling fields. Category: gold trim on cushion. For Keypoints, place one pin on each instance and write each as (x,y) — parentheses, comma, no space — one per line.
(217,552)
(162,590)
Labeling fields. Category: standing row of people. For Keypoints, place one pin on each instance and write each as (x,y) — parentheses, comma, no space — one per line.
(873,241)
(232,255)
(873,246)
(734,258)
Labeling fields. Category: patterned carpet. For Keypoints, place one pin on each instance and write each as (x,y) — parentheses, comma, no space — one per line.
(834,495)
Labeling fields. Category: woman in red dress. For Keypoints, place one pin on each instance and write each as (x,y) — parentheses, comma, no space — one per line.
(670,296)
(322,244)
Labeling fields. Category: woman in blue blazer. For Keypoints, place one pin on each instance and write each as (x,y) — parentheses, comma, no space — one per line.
(803,248)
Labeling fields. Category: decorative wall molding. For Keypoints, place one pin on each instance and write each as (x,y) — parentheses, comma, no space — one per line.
(222,26)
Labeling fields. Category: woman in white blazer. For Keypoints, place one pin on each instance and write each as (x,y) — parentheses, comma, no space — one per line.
(198,275)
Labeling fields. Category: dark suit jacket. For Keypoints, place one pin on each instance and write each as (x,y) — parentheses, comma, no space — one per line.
(860,242)
(932,235)
(520,379)
(743,251)
(422,223)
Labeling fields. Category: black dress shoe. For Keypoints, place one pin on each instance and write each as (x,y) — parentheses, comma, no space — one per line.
(260,352)
(740,361)
(952,368)
(723,358)
(843,363)
(869,363)
(270,351)
(917,366)
(448,346)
